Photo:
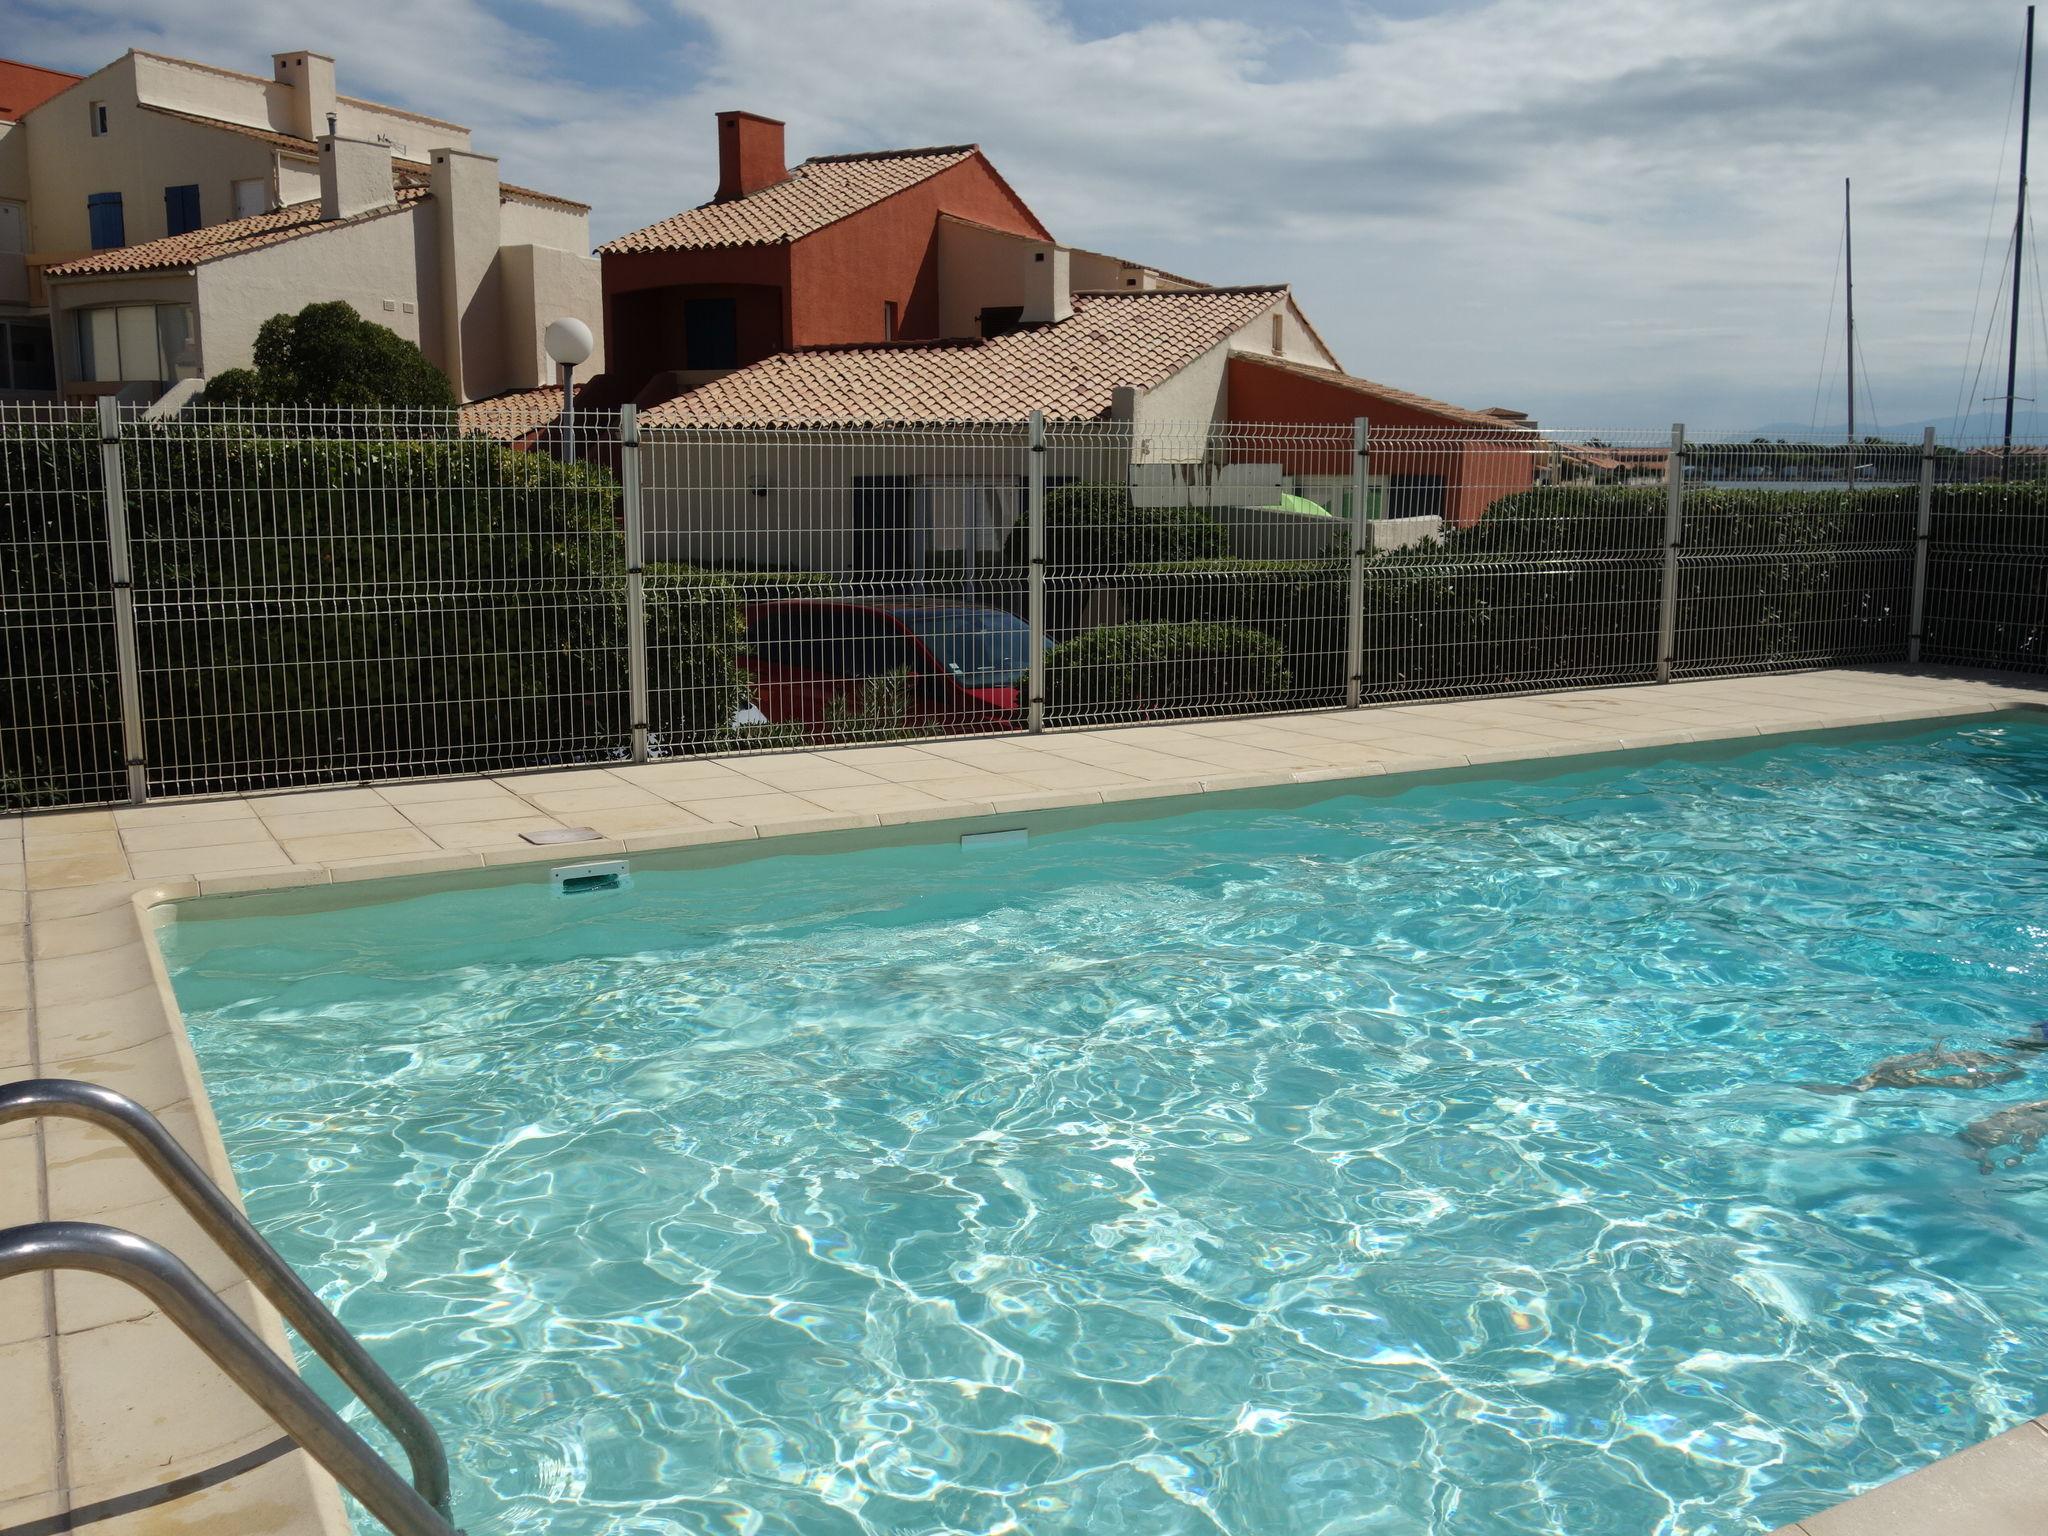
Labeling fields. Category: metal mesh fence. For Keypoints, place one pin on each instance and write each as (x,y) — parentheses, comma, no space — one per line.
(60,704)
(334,596)
(331,596)
(828,587)
(1987,569)
(1795,556)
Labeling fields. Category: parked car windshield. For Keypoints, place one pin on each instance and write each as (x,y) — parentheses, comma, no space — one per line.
(981,647)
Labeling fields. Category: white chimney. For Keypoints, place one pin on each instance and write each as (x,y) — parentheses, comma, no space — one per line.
(310,79)
(355,177)
(1048,293)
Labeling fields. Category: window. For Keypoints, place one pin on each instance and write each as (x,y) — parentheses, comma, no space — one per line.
(26,360)
(103,218)
(711,333)
(1279,336)
(136,343)
(888,320)
(97,111)
(181,209)
(251,196)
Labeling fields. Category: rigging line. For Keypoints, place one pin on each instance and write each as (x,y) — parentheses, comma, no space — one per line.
(1990,337)
(1827,338)
(1990,224)
(2041,319)
(1876,427)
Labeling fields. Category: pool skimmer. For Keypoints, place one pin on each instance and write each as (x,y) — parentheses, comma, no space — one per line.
(603,875)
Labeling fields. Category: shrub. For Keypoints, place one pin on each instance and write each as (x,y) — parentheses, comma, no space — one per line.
(1135,671)
(315,610)
(1300,604)
(328,355)
(1093,534)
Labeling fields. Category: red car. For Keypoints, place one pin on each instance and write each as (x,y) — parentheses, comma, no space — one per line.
(817,661)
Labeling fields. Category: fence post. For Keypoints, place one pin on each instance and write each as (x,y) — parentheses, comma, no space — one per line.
(636,578)
(121,574)
(1361,535)
(1674,531)
(1923,525)
(1034,547)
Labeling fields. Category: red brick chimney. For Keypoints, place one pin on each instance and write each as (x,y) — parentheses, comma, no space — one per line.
(749,154)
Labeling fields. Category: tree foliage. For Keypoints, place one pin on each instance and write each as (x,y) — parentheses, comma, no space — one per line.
(328,355)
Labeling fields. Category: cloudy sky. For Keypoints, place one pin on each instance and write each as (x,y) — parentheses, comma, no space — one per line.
(1605,212)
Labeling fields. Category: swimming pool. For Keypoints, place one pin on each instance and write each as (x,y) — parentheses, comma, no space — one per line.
(1435,1161)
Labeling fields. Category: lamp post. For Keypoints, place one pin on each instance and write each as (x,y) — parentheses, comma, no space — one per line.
(569,343)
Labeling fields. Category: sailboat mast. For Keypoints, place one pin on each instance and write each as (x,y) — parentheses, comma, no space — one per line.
(1849,288)
(2019,246)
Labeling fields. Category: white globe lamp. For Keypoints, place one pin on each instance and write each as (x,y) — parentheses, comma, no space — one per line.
(569,343)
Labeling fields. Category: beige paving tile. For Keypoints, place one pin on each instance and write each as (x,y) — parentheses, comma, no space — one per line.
(561,778)
(90,1172)
(640,818)
(77,901)
(566,853)
(21,1194)
(102,1025)
(216,832)
(1069,775)
(346,871)
(86,935)
(178,812)
(497,806)
(93,1301)
(13,907)
(129,1395)
(77,869)
(147,1072)
(209,861)
(72,845)
(873,797)
(801,772)
(14,1045)
(310,802)
(758,808)
(683,782)
(426,791)
(899,765)
(374,817)
(270,1500)
(383,843)
(494,834)
(972,786)
(64,823)
(685,837)
(90,977)
(28,1459)
(13,985)
(1996,1488)
(599,797)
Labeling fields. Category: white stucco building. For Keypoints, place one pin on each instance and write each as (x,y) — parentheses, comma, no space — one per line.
(171,208)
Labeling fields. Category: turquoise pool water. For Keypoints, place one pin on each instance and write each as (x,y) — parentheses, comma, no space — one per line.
(1435,1162)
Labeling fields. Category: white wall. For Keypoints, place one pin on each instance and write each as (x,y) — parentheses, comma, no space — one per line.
(388,259)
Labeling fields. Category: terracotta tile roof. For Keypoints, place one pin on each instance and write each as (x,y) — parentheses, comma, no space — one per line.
(1366,387)
(216,241)
(403,172)
(821,191)
(1067,370)
(24,87)
(515,414)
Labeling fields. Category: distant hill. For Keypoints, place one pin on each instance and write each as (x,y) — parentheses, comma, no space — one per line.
(2028,422)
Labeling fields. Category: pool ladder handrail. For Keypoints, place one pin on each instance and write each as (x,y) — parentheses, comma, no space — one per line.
(170,1284)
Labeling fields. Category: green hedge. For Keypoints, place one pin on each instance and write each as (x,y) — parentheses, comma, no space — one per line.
(1142,671)
(1987,577)
(314,610)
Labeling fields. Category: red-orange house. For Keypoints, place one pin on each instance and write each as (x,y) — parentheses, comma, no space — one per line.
(916,286)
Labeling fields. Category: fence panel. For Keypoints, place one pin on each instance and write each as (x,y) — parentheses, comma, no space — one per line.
(60,704)
(1195,569)
(1795,555)
(823,586)
(1987,574)
(1508,562)
(330,596)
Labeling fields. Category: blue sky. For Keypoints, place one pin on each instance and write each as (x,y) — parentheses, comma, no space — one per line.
(1606,212)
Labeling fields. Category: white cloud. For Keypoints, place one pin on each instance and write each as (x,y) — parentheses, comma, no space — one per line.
(1623,209)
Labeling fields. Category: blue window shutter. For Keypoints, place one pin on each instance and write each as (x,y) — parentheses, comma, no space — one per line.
(103,217)
(181,209)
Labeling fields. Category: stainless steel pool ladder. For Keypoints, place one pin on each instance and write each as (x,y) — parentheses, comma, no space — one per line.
(421,1509)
